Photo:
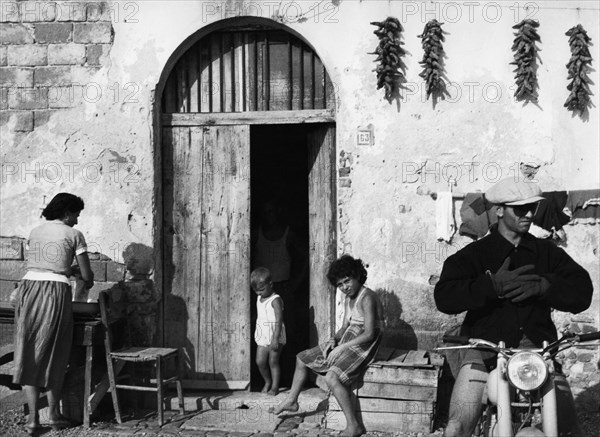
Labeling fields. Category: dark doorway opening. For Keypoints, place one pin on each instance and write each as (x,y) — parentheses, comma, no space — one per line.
(279,173)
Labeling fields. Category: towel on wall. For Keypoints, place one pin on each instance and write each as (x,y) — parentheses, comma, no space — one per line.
(444,217)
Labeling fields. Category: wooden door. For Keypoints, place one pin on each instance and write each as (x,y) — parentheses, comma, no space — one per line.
(206,194)
(247,70)
(322,228)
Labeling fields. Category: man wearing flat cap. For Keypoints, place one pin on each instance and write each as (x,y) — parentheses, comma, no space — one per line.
(508,282)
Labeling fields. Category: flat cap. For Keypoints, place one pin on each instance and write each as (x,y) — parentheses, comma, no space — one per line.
(512,191)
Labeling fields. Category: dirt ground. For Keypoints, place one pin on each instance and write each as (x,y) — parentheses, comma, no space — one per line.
(11,425)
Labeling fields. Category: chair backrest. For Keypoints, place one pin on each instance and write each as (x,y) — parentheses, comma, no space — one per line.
(116,333)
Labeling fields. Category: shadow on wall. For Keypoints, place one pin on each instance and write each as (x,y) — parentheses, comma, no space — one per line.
(139,260)
(397,333)
(132,293)
(175,314)
(176,335)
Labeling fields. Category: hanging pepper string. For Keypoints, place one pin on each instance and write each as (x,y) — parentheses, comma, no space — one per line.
(579,67)
(391,69)
(525,59)
(433,60)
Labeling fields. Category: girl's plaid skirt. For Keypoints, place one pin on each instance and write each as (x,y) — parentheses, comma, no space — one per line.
(351,363)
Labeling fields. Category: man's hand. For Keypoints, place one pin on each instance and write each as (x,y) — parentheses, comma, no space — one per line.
(505,281)
(536,287)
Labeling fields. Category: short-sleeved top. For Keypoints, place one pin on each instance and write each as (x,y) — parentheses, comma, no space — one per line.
(52,246)
(355,315)
(265,322)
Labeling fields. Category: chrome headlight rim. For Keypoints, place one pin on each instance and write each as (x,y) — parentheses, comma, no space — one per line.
(526,361)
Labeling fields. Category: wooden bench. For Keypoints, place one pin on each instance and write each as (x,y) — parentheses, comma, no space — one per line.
(398,392)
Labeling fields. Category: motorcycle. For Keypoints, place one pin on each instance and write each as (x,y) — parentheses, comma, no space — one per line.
(521,395)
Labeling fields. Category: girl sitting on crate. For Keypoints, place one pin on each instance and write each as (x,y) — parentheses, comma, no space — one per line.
(347,354)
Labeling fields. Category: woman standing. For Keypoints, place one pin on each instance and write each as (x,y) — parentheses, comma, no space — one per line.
(43,310)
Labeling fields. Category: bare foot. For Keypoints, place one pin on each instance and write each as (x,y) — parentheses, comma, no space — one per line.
(353,431)
(291,406)
(58,418)
(33,421)
(266,388)
(31,427)
(274,391)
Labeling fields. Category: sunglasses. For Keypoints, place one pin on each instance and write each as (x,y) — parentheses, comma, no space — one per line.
(522,210)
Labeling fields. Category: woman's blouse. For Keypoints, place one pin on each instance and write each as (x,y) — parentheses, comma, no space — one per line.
(51,248)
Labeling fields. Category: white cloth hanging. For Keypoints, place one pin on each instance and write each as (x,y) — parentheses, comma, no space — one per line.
(444,216)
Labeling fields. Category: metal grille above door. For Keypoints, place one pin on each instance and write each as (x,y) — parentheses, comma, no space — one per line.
(251,70)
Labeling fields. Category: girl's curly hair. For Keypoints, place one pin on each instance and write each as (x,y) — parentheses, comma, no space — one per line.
(346,266)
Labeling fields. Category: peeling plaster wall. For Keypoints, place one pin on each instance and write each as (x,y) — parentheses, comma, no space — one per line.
(476,136)
(91,123)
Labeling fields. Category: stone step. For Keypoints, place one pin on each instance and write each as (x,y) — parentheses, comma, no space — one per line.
(313,399)
(243,411)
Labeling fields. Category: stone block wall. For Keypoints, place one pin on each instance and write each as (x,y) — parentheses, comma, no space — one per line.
(13,266)
(581,364)
(49,54)
(137,298)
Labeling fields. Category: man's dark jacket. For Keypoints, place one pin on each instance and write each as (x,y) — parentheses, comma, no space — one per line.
(464,286)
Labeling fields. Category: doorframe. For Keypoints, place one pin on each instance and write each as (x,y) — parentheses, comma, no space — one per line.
(160,120)
(300,116)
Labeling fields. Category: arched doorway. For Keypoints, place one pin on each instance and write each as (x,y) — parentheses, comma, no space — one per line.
(223,96)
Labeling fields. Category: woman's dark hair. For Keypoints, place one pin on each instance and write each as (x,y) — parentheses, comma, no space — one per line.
(62,204)
(346,266)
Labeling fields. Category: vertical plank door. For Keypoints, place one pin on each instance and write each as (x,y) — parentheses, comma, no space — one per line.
(181,185)
(322,234)
(209,251)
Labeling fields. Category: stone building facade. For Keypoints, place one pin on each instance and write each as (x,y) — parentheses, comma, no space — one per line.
(79,112)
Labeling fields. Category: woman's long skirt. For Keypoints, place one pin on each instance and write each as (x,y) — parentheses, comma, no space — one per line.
(43,334)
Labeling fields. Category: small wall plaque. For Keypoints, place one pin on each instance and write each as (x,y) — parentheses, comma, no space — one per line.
(365,135)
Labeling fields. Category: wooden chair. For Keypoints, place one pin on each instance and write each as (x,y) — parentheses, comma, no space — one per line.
(116,359)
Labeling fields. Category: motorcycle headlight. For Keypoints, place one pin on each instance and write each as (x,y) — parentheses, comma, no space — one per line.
(526,370)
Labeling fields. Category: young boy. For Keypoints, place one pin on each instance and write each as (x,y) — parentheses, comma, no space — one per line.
(270,330)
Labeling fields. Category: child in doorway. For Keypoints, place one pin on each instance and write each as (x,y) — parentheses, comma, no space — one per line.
(270,330)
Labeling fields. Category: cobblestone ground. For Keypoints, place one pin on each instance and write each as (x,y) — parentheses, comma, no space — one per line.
(11,425)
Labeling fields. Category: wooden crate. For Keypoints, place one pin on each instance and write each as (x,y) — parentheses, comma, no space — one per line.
(398,392)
